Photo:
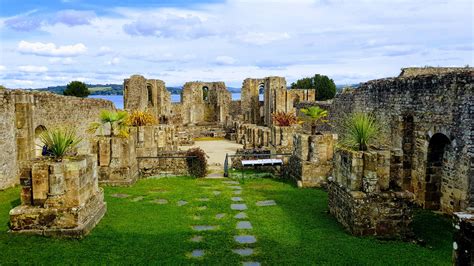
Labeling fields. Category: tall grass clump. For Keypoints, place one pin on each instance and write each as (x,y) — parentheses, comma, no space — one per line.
(141,118)
(360,130)
(116,120)
(59,141)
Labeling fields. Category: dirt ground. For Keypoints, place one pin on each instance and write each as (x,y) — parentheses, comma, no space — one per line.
(216,150)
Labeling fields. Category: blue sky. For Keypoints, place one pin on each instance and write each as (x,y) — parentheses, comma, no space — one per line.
(45,43)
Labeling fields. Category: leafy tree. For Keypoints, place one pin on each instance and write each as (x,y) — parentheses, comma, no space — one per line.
(324,86)
(314,115)
(77,88)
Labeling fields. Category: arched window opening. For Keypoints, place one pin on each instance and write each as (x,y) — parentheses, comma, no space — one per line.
(149,89)
(261,92)
(38,144)
(205,93)
(437,147)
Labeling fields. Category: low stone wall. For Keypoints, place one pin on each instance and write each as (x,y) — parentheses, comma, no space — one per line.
(463,246)
(151,140)
(60,199)
(386,214)
(161,165)
(117,160)
(312,160)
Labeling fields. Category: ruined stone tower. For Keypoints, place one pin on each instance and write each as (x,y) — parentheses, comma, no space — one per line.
(147,95)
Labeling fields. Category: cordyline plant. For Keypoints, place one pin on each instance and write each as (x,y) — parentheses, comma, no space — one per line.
(138,118)
(117,120)
(360,130)
(315,115)
(59,141)
(283,119)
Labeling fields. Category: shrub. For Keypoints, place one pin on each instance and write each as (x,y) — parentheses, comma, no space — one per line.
(140,118)
(117,120)
(59,141)
(76,88)
(359,131)
(197,162)
(283,119)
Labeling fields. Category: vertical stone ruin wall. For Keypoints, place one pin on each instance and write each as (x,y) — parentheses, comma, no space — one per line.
(250,100)
(8,147)
(414,108)
(147,95)
(204,102)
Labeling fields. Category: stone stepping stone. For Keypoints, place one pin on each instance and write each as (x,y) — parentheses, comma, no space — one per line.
(160,201)
(238,207)
(182,203)
(120,195)
(196,217)
(231,182)
(203,199)
(237,192)
(237,199)
(244,225)
(216,192)
(139,198)
(251,263)
(264,203)
(243,251)
(197,253)
(220,215)
(245,239)
(202,208)
(196,239)
(241,215)
(204,227)
(235,187)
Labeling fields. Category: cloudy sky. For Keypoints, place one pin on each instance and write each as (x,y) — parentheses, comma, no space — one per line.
(52,42)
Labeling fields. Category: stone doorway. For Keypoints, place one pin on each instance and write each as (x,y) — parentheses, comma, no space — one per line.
(437,148)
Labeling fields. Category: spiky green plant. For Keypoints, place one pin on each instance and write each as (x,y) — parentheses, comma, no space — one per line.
(359,131)
(314,115)
(59,141)
(117,121)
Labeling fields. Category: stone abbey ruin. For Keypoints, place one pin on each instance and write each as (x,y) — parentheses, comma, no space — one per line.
(426,160)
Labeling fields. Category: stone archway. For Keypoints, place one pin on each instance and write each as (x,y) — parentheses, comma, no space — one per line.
(149,90)
(437,147)
(38,144)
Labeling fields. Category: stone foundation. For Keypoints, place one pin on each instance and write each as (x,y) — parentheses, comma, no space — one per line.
(311,162)
(155,166)
(463,246)
(386,214)
(117,160)
(59,199)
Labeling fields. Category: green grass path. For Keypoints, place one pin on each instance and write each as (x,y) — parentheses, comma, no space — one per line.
(298,231)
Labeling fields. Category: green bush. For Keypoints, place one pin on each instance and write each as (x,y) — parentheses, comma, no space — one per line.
(77,88)
(197,162)
(59,141)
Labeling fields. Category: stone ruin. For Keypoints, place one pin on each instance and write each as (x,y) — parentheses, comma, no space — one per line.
(427,113)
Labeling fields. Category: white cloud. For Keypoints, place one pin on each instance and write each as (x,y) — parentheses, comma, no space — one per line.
(62,61)
(50,49)
(262,38)
(104,50)
(225,60)
(2,68)
(33,69)
(113,62)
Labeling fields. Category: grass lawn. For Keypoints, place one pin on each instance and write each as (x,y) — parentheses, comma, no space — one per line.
(298,231)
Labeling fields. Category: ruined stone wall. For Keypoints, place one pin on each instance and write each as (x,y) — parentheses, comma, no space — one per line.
(203,102)
(417,71)
(26,114)
(8,147)
(250,100)
(412,110)
(147,95)
(52,110)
